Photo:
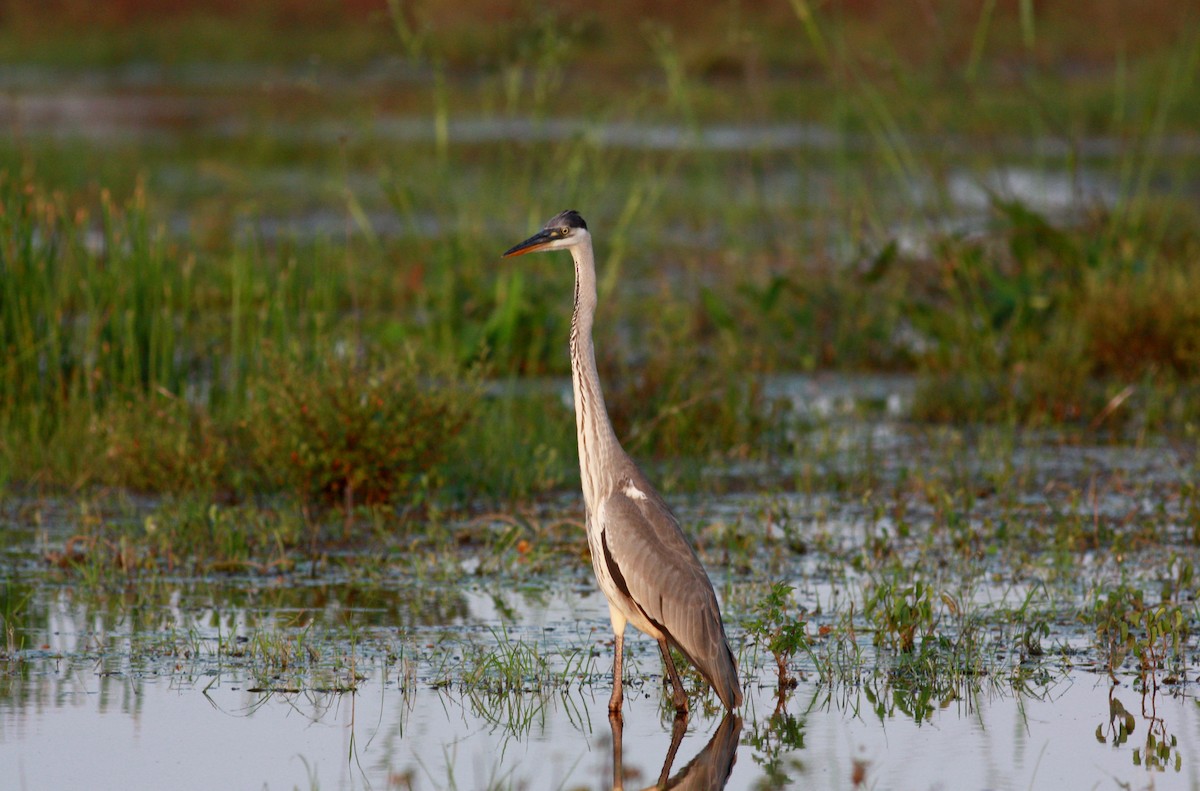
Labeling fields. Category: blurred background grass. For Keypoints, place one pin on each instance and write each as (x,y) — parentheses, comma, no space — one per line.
(219,218)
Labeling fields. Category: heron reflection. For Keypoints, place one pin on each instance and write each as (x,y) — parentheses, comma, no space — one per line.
(709,770)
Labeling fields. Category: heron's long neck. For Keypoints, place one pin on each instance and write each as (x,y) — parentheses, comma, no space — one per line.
(598,444)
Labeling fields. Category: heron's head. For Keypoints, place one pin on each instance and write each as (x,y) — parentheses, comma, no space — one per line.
(565,229)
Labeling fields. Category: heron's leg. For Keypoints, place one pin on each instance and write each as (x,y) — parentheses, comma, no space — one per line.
(679,697)
(614,703)
(618,624)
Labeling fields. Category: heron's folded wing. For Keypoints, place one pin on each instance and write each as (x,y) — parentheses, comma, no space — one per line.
(662,574)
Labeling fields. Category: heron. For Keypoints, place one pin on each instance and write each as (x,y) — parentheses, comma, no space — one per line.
(645,566)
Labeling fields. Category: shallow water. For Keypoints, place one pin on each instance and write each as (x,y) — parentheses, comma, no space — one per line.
(80,709)
(392,673)
(348,680)
(340,681)
(150,734)
(170,116)
(64,105)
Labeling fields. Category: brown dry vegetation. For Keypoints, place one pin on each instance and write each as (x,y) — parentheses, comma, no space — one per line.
(718,39)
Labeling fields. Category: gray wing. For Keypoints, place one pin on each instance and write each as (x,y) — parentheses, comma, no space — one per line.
(657,568)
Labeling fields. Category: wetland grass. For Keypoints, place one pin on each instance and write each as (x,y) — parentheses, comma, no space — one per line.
(253,409)
(503,665)
(146,397)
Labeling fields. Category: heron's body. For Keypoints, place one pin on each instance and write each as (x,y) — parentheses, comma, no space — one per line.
(644,565)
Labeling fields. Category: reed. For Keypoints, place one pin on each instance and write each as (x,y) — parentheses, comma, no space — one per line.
(152,347)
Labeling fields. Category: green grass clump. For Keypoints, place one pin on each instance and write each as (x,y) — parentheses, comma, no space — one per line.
(1126,623)
(1041,323)
(679,405)
(158,442)
(901,615)
(343,430)
(781,631)
(86,306)
(207,537)
(186,534)
(134,361)
(529,439)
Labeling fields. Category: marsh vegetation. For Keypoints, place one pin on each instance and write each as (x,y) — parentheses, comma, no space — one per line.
(907,326)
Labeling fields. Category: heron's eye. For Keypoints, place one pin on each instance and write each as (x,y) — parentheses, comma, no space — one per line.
(564,230)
